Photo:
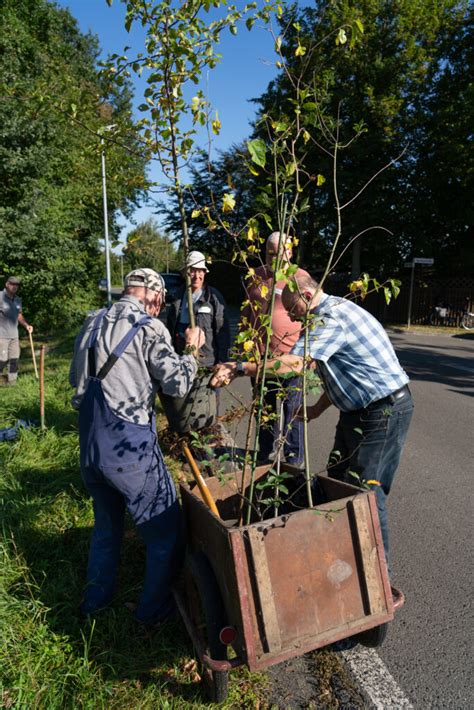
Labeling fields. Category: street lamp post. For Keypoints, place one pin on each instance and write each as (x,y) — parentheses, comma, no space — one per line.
(106,219)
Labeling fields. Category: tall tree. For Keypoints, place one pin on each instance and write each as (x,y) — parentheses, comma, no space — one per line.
(382,85)
(147,246)
(53,109)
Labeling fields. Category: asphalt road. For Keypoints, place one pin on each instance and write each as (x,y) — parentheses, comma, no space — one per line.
(428,650)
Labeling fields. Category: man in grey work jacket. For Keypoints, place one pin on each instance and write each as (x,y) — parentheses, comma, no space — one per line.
(209,310)
(121,357)
(10,315)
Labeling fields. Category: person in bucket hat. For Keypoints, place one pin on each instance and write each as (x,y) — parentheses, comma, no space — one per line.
(11,314)
(122,357)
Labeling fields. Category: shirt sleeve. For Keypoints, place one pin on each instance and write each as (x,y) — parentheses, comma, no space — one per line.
(173,373)
(326,337)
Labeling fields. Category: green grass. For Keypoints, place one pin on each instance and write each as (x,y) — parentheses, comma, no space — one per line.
(49,658)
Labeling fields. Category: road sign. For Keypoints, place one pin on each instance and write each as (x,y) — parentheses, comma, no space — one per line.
(422,260)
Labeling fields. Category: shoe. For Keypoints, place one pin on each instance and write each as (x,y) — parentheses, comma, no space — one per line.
(398,598)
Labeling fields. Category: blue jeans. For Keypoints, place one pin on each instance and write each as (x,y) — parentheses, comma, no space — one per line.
(162,534)
(293,447)
(375,453)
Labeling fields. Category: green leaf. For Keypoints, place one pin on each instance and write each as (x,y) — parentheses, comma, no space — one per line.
(360,26)
(257,150)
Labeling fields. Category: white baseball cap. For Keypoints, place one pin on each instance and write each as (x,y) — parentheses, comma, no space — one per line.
(196,260)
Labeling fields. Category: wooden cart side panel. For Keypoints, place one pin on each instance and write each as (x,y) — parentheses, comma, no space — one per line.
(249,625)
(372,502)
(305,645)
(369,561)
(209,535)
(264,589)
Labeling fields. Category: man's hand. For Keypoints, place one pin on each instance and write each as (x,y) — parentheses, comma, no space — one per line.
(194,338)
(224,373)
(29,328)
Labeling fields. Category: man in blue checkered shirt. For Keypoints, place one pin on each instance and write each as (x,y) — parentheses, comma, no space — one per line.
(361,376)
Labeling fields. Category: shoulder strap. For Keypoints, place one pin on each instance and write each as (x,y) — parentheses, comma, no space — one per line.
(92,341)
(120,348)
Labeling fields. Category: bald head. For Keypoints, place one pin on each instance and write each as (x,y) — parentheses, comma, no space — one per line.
(275,243)
(300,295)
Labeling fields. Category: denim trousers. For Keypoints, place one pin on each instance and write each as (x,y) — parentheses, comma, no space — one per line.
(369,443)
(161,532)
(292,434)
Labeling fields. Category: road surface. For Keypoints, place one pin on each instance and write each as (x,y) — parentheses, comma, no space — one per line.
(428,650)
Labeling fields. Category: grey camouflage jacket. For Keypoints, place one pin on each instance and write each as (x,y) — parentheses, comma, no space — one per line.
(148,364)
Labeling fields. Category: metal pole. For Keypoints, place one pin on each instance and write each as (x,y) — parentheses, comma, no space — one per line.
(121,268)
(410,296)
(106,227)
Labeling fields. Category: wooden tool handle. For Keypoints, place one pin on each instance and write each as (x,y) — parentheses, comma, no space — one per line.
(205,492)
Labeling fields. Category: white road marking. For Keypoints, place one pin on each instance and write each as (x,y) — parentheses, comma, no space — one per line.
(374,680)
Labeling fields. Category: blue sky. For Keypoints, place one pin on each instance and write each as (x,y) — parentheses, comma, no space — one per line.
(246,68)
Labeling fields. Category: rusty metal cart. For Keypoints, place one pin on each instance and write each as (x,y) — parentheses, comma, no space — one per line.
(262,593)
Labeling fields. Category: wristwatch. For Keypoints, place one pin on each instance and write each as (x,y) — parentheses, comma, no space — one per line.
(239,369)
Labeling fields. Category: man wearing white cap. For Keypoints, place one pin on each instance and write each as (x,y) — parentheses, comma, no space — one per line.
(122,356)
(209,310)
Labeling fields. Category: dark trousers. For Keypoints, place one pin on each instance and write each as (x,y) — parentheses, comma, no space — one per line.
(292,434)
(368,446)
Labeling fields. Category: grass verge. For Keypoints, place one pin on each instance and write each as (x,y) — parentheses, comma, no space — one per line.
(48,657)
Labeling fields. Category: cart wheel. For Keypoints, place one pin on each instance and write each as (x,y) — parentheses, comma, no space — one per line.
(373,638)
(208,614)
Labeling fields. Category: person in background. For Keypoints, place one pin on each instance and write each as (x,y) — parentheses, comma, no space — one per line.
(10,315)
(122,356)
(285,334)
(210,312)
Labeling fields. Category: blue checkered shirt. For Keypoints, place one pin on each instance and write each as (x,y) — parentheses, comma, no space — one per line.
(356,360)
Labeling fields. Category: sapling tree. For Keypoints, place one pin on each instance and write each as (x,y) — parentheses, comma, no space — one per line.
(181,43)
(279,158)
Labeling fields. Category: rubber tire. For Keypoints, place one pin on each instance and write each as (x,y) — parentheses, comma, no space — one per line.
(467,321)
(373,638)
(210,610)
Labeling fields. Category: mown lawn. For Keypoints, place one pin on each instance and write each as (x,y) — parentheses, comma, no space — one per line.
(49,658)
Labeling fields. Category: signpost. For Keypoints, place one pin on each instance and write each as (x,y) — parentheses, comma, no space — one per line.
(411,265)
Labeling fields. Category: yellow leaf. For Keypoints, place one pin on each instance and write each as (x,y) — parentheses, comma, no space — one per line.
(251,234)
(320,180)
(264,290)
(306,136)
(341,37)
(248,345)
(216,125)
(373,483)
(300,51)
(228,203)
(251,272)
(195,213)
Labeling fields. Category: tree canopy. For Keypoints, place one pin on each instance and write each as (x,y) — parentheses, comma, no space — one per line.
(399,96)
(52,113)
(148,247)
